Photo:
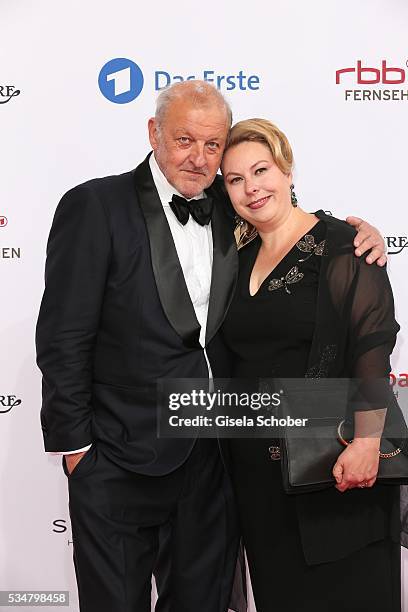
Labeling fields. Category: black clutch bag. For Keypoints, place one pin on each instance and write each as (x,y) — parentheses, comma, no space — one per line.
(307,462)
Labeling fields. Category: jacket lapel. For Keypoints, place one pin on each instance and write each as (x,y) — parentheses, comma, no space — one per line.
(225,262)
(167,270)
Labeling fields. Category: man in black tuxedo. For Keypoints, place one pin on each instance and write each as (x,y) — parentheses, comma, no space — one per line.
(138,280)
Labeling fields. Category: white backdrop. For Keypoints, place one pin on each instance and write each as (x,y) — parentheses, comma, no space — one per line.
(60,130)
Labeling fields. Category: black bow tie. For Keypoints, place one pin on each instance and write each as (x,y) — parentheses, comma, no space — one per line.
(200,210)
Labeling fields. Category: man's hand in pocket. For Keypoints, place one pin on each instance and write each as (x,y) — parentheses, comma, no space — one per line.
(73,460)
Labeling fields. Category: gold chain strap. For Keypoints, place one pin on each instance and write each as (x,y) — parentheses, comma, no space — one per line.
(394,453)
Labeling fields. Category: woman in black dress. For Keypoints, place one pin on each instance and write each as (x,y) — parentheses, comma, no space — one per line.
(306,306)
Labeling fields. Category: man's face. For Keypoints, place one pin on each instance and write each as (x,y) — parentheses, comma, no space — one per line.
(188,145)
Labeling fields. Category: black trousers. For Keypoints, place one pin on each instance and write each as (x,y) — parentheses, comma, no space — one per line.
(181,527)
(366,581)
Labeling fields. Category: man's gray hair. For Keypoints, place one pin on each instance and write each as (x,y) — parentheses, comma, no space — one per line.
(199,93)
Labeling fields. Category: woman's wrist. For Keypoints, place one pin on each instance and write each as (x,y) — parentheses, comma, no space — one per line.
(367,442)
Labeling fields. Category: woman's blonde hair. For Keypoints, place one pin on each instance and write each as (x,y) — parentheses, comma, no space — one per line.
(265,132)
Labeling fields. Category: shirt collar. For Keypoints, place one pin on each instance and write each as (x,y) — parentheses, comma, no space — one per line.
(164,188)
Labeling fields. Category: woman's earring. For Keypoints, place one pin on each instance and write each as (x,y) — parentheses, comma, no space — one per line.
(293,197)
(239,221)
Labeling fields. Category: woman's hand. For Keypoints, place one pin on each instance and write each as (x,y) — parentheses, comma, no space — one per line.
(357,465)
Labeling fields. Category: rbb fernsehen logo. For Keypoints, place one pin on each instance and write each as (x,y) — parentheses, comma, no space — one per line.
(121,80)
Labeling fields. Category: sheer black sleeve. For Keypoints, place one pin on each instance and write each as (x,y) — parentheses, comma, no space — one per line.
(373,331)
(373,327)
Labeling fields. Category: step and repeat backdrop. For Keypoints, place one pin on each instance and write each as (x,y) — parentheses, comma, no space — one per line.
(78,82)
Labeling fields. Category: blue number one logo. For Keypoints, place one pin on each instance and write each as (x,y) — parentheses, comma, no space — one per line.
(120,80)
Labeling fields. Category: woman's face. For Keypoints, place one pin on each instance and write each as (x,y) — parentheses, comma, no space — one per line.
(258,189)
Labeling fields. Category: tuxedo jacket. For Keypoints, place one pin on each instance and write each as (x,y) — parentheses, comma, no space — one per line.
(116,316)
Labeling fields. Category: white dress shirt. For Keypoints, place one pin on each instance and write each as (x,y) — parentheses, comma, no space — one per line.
(194,246)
